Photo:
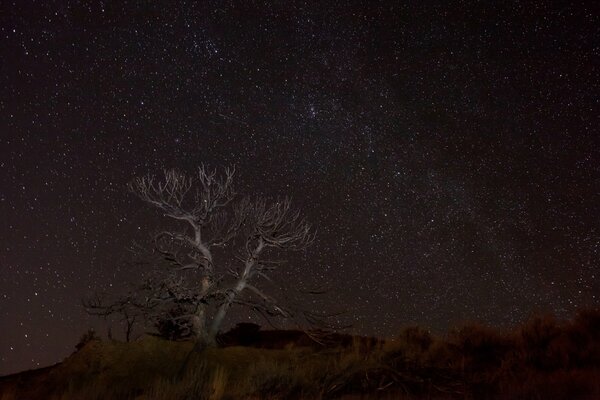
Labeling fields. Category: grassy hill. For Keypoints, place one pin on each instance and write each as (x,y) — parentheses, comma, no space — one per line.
(543,359)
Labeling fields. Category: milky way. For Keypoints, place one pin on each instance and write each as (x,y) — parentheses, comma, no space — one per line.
(447,154)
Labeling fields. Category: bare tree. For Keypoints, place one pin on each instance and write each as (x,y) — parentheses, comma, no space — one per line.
(124,308)
(194,279)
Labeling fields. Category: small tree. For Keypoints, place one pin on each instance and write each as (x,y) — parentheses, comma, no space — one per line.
(193,285)
(125,308)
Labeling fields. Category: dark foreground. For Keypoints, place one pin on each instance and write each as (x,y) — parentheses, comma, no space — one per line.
(543,359)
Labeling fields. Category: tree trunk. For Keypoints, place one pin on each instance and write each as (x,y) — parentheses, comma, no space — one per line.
(240,285)
(222,311)
(199,325)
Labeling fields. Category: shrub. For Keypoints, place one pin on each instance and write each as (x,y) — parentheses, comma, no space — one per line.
(536,337)
(86,338)
(410,346)
(173,326)
(480,347)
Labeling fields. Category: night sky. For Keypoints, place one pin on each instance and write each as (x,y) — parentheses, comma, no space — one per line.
(449,155)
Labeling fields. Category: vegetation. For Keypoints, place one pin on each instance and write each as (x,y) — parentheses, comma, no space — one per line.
(222,255)
(542,359)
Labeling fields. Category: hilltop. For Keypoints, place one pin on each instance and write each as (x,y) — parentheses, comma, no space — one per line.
(544,358)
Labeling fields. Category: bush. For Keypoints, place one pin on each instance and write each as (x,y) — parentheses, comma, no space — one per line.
(482,348)
(536,337)
(86,338)
(173,326)
(410,346)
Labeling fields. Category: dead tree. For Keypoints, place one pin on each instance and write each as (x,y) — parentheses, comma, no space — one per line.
(269,226)
(221,256)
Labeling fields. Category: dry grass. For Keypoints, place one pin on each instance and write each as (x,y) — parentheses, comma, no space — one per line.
(9,393)
(543,359)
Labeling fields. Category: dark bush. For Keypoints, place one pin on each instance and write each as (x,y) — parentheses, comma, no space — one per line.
(173,326)
(481,347)
(87,337)
(243,334)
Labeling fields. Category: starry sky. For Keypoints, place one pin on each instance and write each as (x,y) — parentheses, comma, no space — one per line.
(448,153)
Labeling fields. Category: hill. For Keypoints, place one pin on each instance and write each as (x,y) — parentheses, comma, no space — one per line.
(542,359)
